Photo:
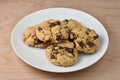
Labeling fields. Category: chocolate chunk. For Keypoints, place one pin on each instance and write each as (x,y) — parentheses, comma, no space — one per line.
(66,20)
(52,56)
(69,50)
(39,28)
(48,42)
(88,29)
(58,23)
(39,41)
(52,24)
(87,33)
(74,45)
(74,35)
(90,44)
(81,44)
(58,37)
(95,37)
(71,40)
(61,47)
(66,27)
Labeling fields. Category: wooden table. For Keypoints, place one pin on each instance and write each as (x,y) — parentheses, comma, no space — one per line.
(12,68)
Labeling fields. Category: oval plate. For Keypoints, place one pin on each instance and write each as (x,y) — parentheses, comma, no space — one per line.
(36,57)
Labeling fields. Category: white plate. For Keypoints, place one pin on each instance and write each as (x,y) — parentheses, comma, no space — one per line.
(36,57)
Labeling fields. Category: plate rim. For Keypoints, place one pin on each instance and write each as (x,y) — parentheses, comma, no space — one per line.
(27,62)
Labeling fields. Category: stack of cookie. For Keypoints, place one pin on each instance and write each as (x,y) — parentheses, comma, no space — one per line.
(62,40)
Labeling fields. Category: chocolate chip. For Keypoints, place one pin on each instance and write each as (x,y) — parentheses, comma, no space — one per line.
(52,56)
(39,28)
(48,41)
(87,33)
(95,37)
(61,47)
(66,20)
(90,44)
(74,45)
(58,37)
(74,35)
(58,23)
(52,24)
(38,41)
(65,27)
(71,40)
(81,44)
(88,29)
(69,50)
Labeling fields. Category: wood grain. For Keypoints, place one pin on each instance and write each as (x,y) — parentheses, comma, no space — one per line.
(107,11)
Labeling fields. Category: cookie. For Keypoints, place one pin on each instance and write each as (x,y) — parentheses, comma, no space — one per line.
(62,54)
(59,33)
(43,31)
(52,30)
(30,38)
(86,40)
(71,24)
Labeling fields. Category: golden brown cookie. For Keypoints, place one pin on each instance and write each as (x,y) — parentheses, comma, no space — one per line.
(52,30)
(62,54)
(29,37)
(71,24)
(86,39)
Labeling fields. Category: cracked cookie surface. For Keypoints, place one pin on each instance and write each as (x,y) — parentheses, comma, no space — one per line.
(71,24)
(86,39)
(29,37)
(62,54)
(52,30)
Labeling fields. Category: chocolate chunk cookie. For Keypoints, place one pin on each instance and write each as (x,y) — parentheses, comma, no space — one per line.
(59,33)
(86,39)
(62,54)
(71,24)
(52,30)
(30,38)
(43,31)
